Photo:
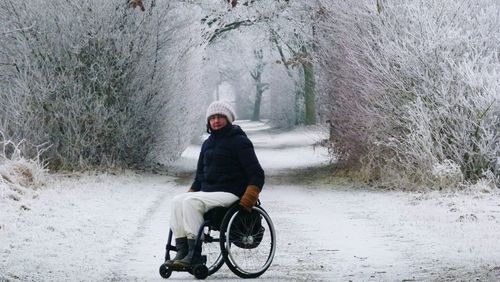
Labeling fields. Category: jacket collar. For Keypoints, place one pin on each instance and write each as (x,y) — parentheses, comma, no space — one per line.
(222,131)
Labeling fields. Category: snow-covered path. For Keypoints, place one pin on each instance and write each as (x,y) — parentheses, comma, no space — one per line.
(114,227)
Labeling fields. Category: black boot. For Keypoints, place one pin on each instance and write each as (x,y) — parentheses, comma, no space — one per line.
(193,257)
(182,250)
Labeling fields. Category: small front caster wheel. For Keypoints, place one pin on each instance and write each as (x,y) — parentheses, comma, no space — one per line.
(165,272)
(200,271)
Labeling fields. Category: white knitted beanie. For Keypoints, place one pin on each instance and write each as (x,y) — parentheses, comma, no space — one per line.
(222,108)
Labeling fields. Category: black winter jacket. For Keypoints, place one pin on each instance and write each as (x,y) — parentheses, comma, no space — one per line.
(227,163)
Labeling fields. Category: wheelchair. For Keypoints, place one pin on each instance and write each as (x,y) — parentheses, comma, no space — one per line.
(245,242)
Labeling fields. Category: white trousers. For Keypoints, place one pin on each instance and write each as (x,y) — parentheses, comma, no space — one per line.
(188,209)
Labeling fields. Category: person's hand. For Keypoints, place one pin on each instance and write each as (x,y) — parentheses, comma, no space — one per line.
(249,199)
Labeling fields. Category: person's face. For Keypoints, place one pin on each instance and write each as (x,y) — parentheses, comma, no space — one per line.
(217,121)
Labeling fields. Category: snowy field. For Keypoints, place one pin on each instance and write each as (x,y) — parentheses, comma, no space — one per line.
(113,227)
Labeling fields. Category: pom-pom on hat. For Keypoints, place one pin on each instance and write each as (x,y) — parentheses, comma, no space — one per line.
(221,108)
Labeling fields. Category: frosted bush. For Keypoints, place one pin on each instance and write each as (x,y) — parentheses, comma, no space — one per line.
(411,84)
(104,84)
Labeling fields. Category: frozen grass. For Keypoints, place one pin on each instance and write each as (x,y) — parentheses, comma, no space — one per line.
(19,176)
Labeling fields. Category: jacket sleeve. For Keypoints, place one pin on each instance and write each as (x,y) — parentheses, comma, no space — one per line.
(249,162)
(196,186)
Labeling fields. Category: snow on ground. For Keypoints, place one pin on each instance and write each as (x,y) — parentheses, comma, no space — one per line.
(113,227)
(77,228)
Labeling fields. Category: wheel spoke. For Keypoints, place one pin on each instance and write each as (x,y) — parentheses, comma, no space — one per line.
(212,251)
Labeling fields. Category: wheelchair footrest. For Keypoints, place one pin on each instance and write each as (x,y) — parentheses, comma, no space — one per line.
(200,261)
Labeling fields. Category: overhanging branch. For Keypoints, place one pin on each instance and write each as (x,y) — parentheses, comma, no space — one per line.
(234,25)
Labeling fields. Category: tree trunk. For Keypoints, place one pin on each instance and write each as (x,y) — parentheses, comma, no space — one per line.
(297,106)
(258,99)
(309,93)
(259,86)
(217,95)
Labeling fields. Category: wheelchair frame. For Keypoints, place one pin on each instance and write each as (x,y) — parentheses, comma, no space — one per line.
(240,234)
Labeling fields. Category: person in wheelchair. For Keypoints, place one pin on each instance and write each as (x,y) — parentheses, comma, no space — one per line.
(227,171)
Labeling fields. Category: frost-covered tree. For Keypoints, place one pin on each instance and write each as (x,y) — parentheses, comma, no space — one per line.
(412,88)
(260,86)
(240,61)
(288,29)
(102,83)
(293,35)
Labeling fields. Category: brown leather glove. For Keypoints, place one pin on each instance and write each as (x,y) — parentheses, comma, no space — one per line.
(249,199)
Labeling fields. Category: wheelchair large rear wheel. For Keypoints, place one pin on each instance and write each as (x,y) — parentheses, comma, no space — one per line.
(248,241)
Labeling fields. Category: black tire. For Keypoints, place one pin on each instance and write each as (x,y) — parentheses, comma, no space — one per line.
(200,271)
(165,272)
(248,241)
